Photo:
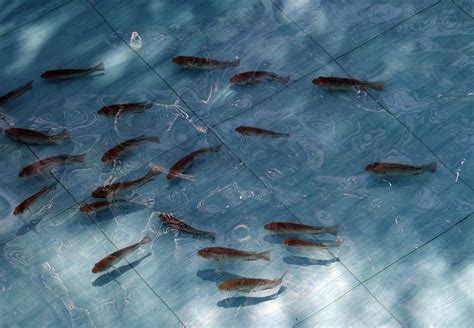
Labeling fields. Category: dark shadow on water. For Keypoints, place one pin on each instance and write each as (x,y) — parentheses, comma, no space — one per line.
(216,276)
(110,213)
(26,227)
(114,274)
(306,261)
(239,301)
(275,238)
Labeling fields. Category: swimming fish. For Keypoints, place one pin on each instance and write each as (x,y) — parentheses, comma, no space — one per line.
(179,225)
(117,256)
(307,244)
(30,200)
(120,149)
(230,254)
(250,285)
(257,77)
(12,95)
(251,131)
(35,137)
(341,83)
(66,73)
(117,187)
(50,162)
(203,63)
(395,169)
(183,163)
(97,206)
(119,109)
(288,227)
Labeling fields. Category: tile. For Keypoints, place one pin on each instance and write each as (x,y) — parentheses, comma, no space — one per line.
(428,81)
(340,26)
(466,5)
(436,280)
(216,30)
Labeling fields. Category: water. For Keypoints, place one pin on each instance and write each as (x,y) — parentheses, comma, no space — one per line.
(406,253)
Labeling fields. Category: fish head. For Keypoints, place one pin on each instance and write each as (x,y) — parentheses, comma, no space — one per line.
(98,267)
(270,226)
(226,286)
(178,60)
(203,253)
(319,81)
(87,208)
(375,168)
(240,129)
(100,192)
(102,111)
(236,79)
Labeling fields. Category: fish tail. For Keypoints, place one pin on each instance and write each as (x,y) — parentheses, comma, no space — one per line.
(52,186)
(180,176)
(145,240)
(337,243)
(332,229)
(155,170)
(78,158)
(376,85)
(285,79)
(282,276)
(215,149)
(63,135)
(153,139)
(211,236)
(430,167)
(267,255)
(28,86)
(236,63)
(99,67)
(148,104)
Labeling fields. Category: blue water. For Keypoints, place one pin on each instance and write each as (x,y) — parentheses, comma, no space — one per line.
(406,256)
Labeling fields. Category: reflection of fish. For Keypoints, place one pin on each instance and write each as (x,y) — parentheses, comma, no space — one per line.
(12,95)
(257,77)
(298,243)
(203,63)
(288,227)
(184,162)
(249,285)
(177,224)
(394,169)
(30,200)
(117,256)
(341,83)
(115,188)
(97,206)
(120,149)
(119,109)
(50,162)
(251,131)
(35,137)
(230,254)
(65,73)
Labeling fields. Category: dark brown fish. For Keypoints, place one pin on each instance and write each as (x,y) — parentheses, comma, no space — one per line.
(97,206)
(231,254)
(203,63)
(30,200)
(395,169)
(177,169)
(307,244)
(250,285)
(119,109)
(288,227)
(257,77)
(65,73)
(12,95)
(251,131)
(341,83)
(50,162)
(115,257)
(179,225)
(120,149)
(35,137)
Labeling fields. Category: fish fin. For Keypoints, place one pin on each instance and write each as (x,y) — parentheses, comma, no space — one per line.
(332,229)
(282,276)
(180,176)
(430,167)
(376,85)
(61,136)
(236,63)
(28,86)
(148,104)
(78,158)
(145,240)
(267,255)
(99,67)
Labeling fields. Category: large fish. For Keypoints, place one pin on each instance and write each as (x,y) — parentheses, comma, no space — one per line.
(69,73)
(307,244)
(341,83)
(224,254)
(247,78)
(97,206)
(35,137)
(50,162)
(203,63)
(250,285)
(396,169)
(251,131)
(179,225)
(12,95)
(122,148)
(30,200)
(119,109)
(296,228)
(177,169)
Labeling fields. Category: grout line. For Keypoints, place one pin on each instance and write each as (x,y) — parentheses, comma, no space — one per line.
(461,9)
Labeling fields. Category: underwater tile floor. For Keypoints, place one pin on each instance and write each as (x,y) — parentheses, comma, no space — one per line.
(406,257)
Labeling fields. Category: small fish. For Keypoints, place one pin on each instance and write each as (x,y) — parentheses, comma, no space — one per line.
(288,227)
(120,149)
(119,109)
(30,200)
(35,137)
(50,162)
(247,78)
(183,163)
(203,63)
(117,187)
(341,83)
(115,257)
(230,254)
(307,244)
(179,225)
(395,169)
(251,131)
(12,95)
(63,74)
(97,206)
(250,285)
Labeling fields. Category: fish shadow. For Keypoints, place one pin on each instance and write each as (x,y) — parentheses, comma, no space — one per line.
(306,261)
(26,227)
(239,301)
(110,213)
(216,276)
(275,239)
(114,274)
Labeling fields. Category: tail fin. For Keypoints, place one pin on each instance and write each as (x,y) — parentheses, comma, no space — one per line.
(148,104)
(78,158)
(285,79)
(52,186)
(61,136)
(211,236)
(28,86)
(155,170)
(332,229)
(145,240)
(215,149)
(152,139)
(236,63)
(99,67)
(282,276)
(267,255)
(337,243)
(180,176)
(376,85)
(430,167)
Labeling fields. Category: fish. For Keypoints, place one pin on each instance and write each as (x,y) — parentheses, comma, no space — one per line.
(230,254)
(249,285)
(183,163)
(24,205)
(395,169)
(35,137)
(179,225)
(66,73)
(255,77)
(307,244)
(203,63)
(97,206)
(12,95)
(112,259)
(119,109)
(117,187)
(49,163)
(341,83)
(120,149)
(251,131)
(296,228)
